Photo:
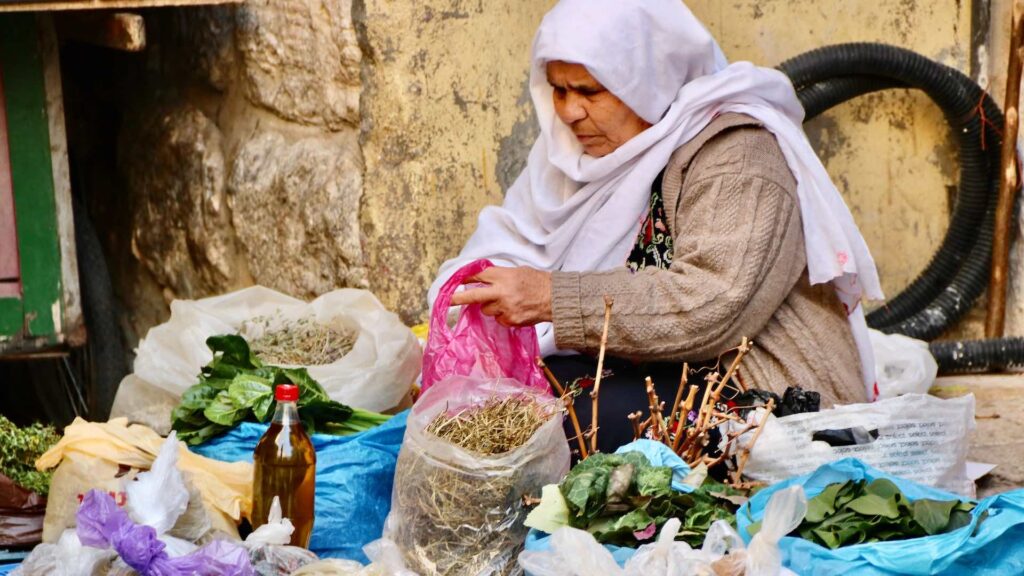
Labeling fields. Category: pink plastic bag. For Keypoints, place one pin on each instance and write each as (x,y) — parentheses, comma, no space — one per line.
(479,345)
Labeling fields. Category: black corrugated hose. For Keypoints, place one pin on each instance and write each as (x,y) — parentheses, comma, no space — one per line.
(958,272)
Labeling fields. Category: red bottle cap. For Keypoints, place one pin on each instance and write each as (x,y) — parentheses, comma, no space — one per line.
(287,393)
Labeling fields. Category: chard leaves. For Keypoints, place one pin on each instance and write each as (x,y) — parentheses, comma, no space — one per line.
(235,386)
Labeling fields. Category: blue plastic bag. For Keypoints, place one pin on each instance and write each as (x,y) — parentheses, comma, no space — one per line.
(996,548)
(354,476)
(659,455)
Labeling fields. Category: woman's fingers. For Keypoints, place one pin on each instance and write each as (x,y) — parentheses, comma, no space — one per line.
(474,296)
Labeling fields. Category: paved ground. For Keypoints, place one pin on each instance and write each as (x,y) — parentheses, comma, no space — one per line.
(999,415)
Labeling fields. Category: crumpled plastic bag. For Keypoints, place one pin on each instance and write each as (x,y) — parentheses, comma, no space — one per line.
(102,524)
(66,558)
(268,546)
(478,346)
(375,375)
(575,552)
(92,455)
(903,365)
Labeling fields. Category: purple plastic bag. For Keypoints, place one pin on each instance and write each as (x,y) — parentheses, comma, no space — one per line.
(478,346)
(101,524)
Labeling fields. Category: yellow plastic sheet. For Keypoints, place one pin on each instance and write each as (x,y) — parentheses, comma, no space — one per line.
(226,488)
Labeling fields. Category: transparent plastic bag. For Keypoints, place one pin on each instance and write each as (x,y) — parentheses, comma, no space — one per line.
(903,365)
(268,546)
(478,345)
(455,512)
(785,511)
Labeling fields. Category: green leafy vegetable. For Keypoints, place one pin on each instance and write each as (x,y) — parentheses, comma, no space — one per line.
(618,497)
(858,512)
(235,386)
(19,449)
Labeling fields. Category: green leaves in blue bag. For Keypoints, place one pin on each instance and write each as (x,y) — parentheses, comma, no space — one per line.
(859,512)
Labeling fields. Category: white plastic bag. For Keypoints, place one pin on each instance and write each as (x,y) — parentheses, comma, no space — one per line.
(158,497)
(276,532)
(375,375)
(903,365)
(785,511)
(66,558)
(915,436)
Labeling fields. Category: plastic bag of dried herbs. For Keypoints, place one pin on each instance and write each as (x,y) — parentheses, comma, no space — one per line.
(471,450)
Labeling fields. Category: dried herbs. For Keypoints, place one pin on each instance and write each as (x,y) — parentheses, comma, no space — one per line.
(236,386)
(19,449)
(859,512)
(623,499)
(498,426)
(301,342)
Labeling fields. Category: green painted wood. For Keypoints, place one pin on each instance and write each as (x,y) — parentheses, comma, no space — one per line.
(32,176)
(11,316)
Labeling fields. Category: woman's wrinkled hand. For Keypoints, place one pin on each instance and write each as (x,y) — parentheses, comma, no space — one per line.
(513,296)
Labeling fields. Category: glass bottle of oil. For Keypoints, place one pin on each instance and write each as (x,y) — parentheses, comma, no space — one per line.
(285,466)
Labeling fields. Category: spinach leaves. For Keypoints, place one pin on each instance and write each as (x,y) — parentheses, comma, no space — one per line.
(623,499)
(858,512)
(235,386)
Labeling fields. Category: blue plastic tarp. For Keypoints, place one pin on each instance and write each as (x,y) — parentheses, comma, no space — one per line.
(659,455)
(7,568)
(995,546)
(354,476)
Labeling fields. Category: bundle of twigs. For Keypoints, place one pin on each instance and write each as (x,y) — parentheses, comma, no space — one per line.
(691,441)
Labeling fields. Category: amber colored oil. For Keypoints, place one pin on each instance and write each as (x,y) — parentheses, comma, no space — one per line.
(285,466)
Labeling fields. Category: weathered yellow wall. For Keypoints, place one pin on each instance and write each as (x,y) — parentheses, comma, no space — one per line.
(889,153)
(447,121)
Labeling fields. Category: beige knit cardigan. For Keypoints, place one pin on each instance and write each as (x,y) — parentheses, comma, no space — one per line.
(739,268)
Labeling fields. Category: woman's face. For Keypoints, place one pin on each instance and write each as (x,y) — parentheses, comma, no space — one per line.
(600,121)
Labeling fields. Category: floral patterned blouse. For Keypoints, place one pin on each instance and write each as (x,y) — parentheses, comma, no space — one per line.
(653,243)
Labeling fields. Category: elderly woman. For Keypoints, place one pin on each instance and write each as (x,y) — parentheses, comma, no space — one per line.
(685,189)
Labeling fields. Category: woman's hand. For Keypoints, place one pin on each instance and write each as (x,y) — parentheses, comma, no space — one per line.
(514,296)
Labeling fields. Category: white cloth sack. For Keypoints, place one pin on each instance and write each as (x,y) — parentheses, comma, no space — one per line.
(570,211)
(921,438)
(903,365)
(375,375)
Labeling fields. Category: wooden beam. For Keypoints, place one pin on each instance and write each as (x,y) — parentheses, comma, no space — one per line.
(63,5)
(117,30)
(1009,181)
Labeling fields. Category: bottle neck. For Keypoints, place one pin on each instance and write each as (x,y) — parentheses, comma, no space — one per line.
(287,413)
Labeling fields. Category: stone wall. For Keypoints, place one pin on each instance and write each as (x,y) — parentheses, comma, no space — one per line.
(308,145)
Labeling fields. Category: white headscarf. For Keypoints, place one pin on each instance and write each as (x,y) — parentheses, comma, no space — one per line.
(573,212)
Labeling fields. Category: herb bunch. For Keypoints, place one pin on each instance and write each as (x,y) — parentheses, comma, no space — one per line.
(19,449)
(236,386)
